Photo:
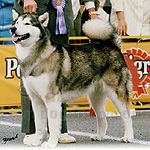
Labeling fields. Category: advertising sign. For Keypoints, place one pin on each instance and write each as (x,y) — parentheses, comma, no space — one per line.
(9,77)
(137,56)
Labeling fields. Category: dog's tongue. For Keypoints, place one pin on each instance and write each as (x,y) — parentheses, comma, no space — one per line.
(15,38)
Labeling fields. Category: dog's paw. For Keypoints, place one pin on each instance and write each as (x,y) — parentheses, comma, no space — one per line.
(127,140)
(97,138)
(49,144)
(32,140)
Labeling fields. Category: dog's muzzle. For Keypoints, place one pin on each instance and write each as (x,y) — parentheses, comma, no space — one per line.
(16,38)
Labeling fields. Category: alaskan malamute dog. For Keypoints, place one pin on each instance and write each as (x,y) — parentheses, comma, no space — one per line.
(55,74)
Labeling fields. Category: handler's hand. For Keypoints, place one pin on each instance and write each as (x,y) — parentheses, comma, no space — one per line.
(94,17)
(30,6)
(122,27)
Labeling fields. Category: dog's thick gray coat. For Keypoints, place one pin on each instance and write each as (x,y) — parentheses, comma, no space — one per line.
(54,74)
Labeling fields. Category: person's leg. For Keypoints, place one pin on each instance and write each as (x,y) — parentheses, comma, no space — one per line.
(65,137)
(64,122)
(28,125)
(76,31)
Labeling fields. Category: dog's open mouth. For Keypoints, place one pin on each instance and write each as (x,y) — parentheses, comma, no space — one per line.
(17,38)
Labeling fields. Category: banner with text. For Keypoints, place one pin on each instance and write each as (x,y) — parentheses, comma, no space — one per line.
(137,56)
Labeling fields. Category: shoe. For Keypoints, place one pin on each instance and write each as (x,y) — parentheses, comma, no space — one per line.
(66,138)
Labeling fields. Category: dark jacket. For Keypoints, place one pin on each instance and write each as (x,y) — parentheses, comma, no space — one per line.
(46,5)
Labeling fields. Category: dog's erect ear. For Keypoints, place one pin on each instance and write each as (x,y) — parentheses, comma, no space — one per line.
(43,19)
(15,14)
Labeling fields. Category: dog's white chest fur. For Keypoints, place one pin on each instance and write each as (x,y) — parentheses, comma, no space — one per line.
(37,85)
(22,52)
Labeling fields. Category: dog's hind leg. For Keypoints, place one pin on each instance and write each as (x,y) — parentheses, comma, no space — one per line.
(122,106)
(54,110)
(40,116)
(97,100)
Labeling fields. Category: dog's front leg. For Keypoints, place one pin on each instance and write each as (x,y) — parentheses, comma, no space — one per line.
(40,115)
(54,120)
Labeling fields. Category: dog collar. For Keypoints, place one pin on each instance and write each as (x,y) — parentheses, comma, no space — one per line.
(60,20)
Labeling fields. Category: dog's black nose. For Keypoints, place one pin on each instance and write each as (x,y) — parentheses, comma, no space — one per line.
(13,29)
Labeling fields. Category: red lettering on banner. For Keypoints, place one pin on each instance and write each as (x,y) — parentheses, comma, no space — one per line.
(138,62)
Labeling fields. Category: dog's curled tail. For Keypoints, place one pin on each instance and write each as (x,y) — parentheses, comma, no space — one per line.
(98,29)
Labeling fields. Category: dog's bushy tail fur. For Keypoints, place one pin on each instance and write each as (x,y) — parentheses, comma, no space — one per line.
(98,29)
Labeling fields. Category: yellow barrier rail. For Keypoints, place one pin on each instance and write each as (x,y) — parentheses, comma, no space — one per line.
(86,38)
(11,111)
(134,37)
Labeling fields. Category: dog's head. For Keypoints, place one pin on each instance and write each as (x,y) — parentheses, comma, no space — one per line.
(27,28)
